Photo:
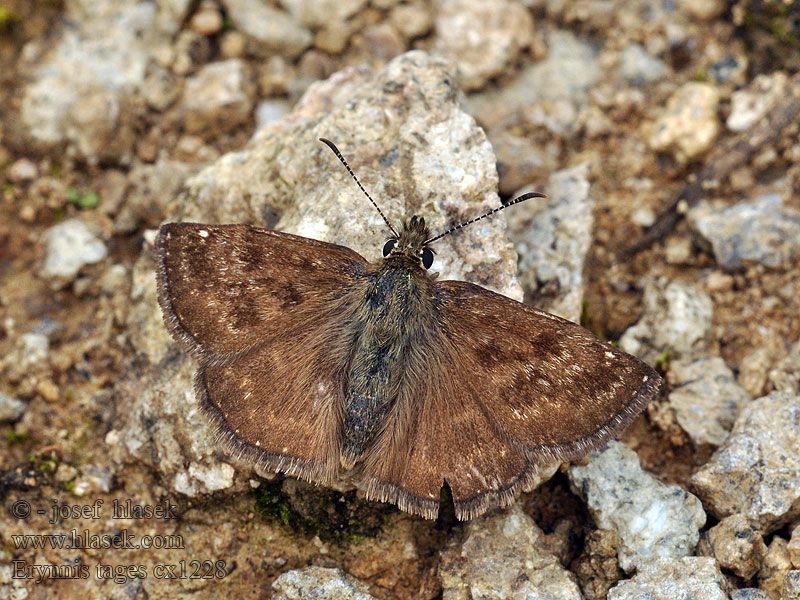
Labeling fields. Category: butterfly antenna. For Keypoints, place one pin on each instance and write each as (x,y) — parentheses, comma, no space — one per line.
(522,198)
(338,154)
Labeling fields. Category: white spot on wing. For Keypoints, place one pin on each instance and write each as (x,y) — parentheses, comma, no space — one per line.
(203,233)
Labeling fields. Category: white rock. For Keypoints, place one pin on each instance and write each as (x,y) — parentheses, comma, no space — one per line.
(68,247)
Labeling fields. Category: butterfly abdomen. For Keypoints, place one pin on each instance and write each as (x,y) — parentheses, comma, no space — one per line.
(378,364)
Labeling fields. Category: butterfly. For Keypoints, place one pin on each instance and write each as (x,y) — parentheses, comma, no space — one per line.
(315,362)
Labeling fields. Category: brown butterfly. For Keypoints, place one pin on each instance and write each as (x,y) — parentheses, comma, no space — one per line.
(314,361)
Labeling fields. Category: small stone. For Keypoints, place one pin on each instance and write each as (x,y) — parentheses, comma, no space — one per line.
(762,232)
(207,20)
(756,473)
(269,111)
(689,124)
(678,251)
(521,162)
(48,390)
(706,398)
(677,319)
(382,41)
(750,105)
(215,477)
(319,583)
(232,44)
(68,247)
(65,472)
(216,99)
(638,67)
(791,586)
(503,556)
(737,546)
(793,547)
(755,365)
(718,281)
(482,37)
(319,13)
(11,409)
(98,478)
(22,171)
(775,568)
(750,594)
(411,20)
(785,377)
(704,10)
(644,216)
(161,88)
(273,29)
(552,237)
(651,520)
(683,578)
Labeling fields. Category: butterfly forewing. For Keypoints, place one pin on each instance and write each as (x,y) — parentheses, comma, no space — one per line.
(225,289)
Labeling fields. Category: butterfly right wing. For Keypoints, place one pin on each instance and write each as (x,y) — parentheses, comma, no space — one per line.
(269,317)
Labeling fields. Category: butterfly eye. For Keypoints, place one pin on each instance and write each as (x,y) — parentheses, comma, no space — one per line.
(389,246)
(427,258)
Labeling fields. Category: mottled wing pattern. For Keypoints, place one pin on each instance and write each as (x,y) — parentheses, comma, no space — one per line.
(506,388)
(266,314)
(225,289)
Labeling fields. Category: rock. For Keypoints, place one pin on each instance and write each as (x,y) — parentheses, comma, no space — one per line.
(750,105)
(29,354)
(272,29)
(216,99)
(11,409)
(597,568)
(411,20)
(791,586)
(651,520)
(520,161)
(23,170)
(161,88)
(793,547)
(320,13)
(207,20)
(755,365)
(756,473)
(785,377)
(68,247)
(775,568)
(704,10)
(737,546)
(552,238)
(482,37)
(762,232)
(682,578)
(429,158)
(151,189)
(319,583)
(638,67)
(81,91)
(689,124)
(269,111)
(553,88)
(705,398)
(502,556)
(750,594)
(677,319)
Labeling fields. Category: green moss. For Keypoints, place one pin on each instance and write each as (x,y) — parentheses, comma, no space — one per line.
(701,75)
(16,438)
(333,517)
(82,200)
(69,486)
(662,362)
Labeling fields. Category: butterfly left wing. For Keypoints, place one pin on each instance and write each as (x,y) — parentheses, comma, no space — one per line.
(500,389)
(269,317)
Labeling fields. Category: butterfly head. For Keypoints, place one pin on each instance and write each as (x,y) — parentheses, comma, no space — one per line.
(411,243)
